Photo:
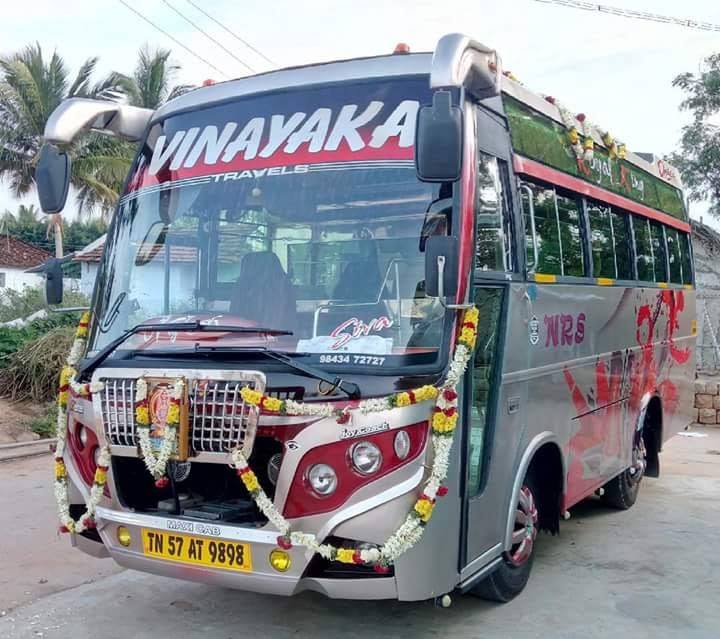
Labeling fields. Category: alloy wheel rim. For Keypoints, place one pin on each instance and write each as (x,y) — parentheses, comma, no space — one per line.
(525,529)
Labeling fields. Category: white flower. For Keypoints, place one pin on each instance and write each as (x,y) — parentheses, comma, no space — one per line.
(141,389)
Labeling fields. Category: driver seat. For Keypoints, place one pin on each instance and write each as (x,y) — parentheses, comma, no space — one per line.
(264,292)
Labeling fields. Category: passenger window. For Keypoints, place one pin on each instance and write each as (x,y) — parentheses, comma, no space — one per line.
(493,246)
(658,247)
(643,250)
(674,259)
(570,238)
(686,258)
(558,242)
(601,241)
(623,245)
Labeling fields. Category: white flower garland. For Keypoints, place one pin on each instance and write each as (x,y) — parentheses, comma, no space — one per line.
(409,533)
(156,462)
(87,519)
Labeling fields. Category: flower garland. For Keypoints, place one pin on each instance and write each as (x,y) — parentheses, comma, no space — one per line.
(443,422)
(87,519)
(156,463)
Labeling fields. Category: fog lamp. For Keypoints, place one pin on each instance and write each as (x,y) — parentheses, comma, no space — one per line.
(280,560)
(83,435)
(123,536)
(402,444)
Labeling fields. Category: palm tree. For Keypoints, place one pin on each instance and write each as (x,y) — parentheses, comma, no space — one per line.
(150,85)
(30,89)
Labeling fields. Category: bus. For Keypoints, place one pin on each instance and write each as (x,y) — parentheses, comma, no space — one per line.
(366,327)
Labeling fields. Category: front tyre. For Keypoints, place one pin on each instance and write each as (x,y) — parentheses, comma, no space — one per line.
(622,491)
(510,577)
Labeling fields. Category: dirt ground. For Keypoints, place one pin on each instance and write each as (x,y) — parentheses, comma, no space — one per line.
(15,420)
(647,572)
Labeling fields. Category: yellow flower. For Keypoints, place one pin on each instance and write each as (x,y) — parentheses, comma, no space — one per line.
(142,416)
(70,525)
(345,555)
(402,399)
(251,481)
(100,476)
(66,375)
(250,396)
(471,315)
(82,329)
(589,144)
(426,392)
(573,136)
(443,423)
(424,509)
(467,337)
(63,399)
(173,414)
(60,472)
(272,404)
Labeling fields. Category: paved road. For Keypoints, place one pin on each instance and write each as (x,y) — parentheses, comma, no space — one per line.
(650,572)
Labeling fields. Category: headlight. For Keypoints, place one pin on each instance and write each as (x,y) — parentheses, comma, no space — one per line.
(96,455)
(402,444)
(323,479)
(366,457)
(83,435)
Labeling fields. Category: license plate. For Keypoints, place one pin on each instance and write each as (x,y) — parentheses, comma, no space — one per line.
(199,551)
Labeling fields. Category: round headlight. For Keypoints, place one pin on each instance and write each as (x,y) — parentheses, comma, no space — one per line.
(323,479)
(96,455)
(402,444)
(83,435)
(366,457)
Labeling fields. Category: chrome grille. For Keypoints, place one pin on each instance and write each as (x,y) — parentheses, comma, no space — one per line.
(118,411)
(219,418)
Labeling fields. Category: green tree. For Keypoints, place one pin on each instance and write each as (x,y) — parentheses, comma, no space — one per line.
(151,84)
(31,87)
(698,157)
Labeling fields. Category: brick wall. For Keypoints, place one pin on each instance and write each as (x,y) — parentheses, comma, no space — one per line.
(707,401)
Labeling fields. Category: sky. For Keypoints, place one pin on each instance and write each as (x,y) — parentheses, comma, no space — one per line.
(617,70)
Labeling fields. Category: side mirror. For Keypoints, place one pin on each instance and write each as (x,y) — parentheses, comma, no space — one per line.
(52,176)
(441,266)
(438,140)
(53,281)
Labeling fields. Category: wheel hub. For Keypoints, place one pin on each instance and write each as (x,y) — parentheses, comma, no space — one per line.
(525,529)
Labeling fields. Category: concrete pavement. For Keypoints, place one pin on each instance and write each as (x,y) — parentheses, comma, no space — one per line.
(652,571)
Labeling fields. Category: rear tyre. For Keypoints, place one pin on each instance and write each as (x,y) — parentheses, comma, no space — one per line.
(510,577)
(622,491)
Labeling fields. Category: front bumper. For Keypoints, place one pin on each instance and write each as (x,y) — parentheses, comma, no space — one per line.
(263,578)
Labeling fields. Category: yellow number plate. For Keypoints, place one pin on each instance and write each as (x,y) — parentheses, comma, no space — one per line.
(199,551)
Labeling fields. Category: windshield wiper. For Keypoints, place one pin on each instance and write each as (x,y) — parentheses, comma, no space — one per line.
(351,389)
(99,357)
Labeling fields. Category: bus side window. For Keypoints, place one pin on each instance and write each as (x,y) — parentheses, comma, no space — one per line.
(658,246)
(571,244)
(601,241)
(492,215)
(623,244)
(674,258)
(686,258)
(643,250)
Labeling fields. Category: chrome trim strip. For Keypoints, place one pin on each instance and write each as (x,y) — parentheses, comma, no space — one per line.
(476,564)
(370,503)
(200,528)
(324,73)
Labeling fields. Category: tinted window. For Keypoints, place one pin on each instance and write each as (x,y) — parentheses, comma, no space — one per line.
(557,233)
(673,246)
(658,247)
(601,240)
(643,250)
(492,249)
(686,257)
(623,245)
(571,240)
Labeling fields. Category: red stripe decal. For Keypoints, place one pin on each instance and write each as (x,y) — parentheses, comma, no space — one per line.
(553,176)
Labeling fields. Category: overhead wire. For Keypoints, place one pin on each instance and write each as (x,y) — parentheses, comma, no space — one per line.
(208,36)
(232,33)
(173,38)
(631,13)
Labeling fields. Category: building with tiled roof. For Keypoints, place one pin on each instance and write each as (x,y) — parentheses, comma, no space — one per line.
(16,257)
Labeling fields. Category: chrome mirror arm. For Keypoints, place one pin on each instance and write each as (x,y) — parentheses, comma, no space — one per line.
(441,288)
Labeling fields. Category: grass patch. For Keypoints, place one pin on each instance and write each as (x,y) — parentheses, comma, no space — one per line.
(44,425)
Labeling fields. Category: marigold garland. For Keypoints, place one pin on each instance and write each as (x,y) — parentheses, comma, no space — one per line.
(87,519)
(443,422)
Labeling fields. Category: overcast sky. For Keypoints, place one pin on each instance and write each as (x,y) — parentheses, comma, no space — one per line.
(616,70)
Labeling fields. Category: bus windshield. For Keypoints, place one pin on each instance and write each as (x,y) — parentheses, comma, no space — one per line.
(311,237)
